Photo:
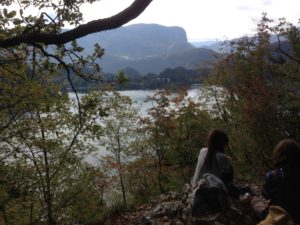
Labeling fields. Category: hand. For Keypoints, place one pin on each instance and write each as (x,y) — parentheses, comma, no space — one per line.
(246,198)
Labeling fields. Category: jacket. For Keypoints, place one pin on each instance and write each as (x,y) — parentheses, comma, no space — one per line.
(277,216)
(282,188)
(220,167)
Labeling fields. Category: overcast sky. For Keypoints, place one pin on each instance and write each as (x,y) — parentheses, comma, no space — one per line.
(203,19)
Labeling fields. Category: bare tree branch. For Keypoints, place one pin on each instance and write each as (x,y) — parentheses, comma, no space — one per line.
(123,17)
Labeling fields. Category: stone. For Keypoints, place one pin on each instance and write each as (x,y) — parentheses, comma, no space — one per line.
(146,220)
(174,209)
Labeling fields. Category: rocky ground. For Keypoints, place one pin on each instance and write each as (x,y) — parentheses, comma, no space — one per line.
(163,208)
(167,209)
(132,217)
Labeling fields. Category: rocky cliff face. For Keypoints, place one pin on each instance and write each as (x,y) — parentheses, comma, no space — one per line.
(140,41)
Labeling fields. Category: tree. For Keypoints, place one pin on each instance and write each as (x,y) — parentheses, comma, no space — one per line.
(43,146)
(26,37)
(193,123)
(44,136)
(46,29)
(158,127)
(170,137)
(120,133)
(261,81)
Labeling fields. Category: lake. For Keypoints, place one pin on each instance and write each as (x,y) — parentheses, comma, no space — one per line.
(139,97)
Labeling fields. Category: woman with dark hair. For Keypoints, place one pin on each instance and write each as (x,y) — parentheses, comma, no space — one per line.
(214,160)
(282,184)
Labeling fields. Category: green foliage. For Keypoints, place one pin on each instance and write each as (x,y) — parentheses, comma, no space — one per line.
(44,141)
(170,138)
(262,101)
(121,77)
(119,133)
(46,138)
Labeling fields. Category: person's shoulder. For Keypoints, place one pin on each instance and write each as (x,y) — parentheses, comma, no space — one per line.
(203,150)
(275,175)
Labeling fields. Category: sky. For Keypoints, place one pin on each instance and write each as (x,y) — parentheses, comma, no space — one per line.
(203,19)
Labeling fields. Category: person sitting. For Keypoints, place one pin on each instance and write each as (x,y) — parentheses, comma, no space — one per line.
(282,185)
(214,160)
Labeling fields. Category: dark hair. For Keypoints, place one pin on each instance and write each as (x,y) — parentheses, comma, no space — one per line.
(286,155)
(216,142)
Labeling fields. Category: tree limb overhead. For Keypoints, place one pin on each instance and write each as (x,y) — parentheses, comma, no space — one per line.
(123,17)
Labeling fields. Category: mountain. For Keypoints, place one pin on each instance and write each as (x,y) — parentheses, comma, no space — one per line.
(139,41)
(148,48)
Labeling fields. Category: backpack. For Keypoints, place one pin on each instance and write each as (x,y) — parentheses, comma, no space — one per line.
(209,199)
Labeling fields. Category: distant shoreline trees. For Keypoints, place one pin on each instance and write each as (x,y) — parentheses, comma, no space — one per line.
(170,78)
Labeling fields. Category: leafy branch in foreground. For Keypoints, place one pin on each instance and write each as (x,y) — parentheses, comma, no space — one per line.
(36,29)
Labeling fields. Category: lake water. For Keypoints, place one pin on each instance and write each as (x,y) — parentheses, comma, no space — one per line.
(139,97)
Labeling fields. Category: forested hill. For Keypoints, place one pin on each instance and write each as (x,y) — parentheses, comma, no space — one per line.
(149,48)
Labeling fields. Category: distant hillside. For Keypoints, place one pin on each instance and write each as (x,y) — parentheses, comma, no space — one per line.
(189,59)
(146,48)
(223,46)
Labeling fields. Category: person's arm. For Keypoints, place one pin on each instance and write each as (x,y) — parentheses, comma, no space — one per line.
(201,159)
(267,189)
(270,186)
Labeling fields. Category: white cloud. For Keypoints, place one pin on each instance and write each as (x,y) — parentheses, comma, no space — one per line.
(267,2)
(213,19)
(245,8)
